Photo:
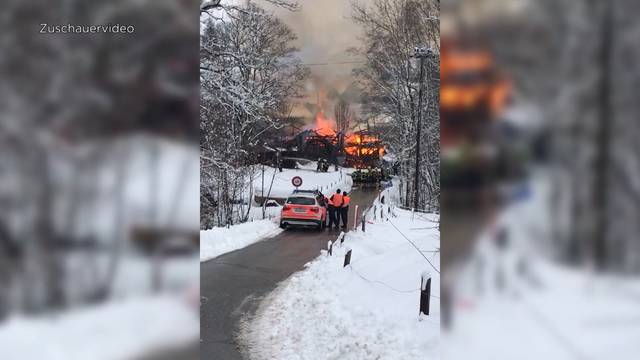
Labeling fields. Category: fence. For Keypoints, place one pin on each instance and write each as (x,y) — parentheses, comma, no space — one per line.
(425,277)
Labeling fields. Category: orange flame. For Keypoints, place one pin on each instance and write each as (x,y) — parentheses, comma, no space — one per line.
(484,85)
(325,126)
(355,144)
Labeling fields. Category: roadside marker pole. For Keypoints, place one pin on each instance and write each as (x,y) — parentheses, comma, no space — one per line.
(355,219)
(347,258)
(425,292)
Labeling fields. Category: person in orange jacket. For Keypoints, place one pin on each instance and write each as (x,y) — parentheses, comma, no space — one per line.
(344,209)
(337,201)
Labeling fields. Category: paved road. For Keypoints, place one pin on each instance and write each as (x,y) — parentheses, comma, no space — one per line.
(233,284)
(189,352)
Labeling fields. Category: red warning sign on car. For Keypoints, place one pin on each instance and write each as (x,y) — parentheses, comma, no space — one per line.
(296,181)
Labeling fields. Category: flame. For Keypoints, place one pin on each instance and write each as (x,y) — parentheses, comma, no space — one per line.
(358,144)
(363,144)
(324,126)
(473,91)
(470,80)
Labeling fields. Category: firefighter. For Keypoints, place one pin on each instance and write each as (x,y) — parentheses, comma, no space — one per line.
(337,200)
(344,209)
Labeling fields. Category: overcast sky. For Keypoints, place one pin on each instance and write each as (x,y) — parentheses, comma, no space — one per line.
(325,32)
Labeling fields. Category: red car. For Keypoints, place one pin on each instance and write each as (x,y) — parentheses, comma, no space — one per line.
(303,208)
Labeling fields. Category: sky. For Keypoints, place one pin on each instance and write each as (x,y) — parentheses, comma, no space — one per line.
(325,33)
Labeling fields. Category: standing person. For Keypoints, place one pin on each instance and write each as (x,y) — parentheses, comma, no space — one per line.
(337,201)
(279,161)
(344,209)
(331,212)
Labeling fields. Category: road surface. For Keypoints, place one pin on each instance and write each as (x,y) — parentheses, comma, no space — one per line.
(233,284)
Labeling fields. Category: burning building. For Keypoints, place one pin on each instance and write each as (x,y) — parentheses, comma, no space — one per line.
(472,95)
(362,148)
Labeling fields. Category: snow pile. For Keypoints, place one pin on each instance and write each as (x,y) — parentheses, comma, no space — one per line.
(134,275)
(115,330)
(327,182)
(129,167)
(368,310)
(270,212)
(513,302)
(220,240)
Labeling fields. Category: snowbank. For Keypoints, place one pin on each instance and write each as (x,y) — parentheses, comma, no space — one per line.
(368,310)
(134,275)
(327,182)
(540,309)
(218,241)
(174,203)
(116,330)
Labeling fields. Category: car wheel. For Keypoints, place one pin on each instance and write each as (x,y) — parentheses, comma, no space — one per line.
(283,226)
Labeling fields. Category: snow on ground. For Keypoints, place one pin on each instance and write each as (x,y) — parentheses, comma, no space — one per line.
(544,310)
(368,310)
(115,330)
(221,240)
(134,275)
(327,182)
(271,212)
(173,203)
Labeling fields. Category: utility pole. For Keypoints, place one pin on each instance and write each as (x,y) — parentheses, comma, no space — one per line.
(420,53)
(603,144)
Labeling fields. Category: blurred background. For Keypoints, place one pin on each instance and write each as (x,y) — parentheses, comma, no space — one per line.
(99,181)
(540,179)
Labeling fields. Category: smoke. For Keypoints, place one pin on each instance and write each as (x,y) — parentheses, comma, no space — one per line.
(325,33)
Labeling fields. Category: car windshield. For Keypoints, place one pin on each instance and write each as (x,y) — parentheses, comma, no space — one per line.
(301,201)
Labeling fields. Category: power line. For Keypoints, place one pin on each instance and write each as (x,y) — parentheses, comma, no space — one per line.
(334,63)
(414,245)
(387,285)
(381,283)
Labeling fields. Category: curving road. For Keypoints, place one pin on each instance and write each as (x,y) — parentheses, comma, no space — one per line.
(233,284)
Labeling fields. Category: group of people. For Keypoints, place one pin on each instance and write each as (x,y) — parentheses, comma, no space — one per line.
(337,209)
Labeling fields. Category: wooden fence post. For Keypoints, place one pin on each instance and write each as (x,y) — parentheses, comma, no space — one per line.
(425,292)
(347,258)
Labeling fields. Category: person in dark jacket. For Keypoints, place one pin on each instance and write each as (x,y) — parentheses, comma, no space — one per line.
(331,212)
(344,209)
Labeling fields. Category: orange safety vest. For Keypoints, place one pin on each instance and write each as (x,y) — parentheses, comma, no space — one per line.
(337,200)
(346,200)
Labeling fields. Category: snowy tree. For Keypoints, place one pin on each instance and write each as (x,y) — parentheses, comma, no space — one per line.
(575,60)
(62,91)
(249,74)
(403,90)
